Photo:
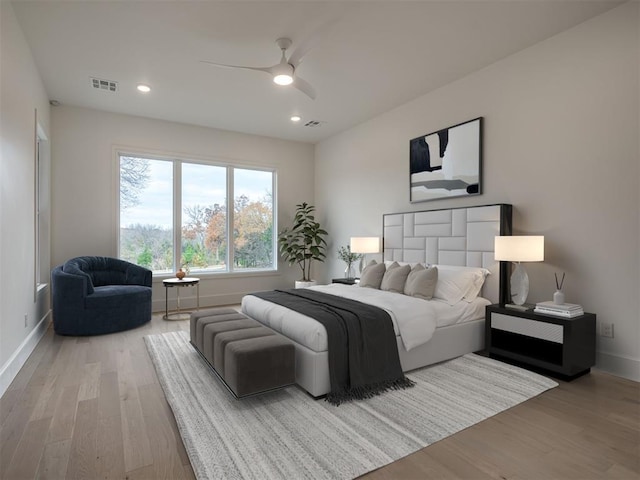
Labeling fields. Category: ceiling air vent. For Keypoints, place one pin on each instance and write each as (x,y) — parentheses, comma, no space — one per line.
(314,123)
(100,84)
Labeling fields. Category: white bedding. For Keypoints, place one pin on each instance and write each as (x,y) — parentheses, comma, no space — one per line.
(414,319)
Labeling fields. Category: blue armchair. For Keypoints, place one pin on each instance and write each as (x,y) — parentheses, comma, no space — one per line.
(97,295)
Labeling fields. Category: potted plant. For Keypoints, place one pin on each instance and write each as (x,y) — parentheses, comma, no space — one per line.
(347,256)
(303,243)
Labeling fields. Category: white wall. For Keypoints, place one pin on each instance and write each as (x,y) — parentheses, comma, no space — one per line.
(560,144)
(21,94)
(84,191)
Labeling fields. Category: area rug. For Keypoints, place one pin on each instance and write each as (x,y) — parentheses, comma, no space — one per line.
(288,435)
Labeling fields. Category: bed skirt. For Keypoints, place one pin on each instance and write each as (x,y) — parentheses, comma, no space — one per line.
(312,368)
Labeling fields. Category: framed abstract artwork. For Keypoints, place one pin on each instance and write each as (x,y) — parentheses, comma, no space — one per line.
(446,163)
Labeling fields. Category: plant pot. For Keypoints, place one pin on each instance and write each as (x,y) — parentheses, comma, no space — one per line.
(301,284)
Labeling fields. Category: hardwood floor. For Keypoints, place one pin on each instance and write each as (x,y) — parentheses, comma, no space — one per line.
(92,408)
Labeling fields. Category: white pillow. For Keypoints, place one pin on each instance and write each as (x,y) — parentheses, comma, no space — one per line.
(456,283)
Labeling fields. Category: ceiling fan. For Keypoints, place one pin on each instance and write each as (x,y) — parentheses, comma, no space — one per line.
(283,73)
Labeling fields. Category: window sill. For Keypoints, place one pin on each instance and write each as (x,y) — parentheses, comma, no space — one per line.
(41,287)
(212,275)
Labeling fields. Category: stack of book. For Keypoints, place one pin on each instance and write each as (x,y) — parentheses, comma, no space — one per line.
(567,310)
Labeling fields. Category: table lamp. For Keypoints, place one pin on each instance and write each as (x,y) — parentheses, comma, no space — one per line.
(364,245)
(517,249)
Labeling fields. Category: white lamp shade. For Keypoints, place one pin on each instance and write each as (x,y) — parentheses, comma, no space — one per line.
(365,244)
(523,248)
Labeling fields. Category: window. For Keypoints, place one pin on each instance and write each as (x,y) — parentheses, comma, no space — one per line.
(253,244)
(175,213)
(204,217)
(38,212)
(146,213)
(41,210)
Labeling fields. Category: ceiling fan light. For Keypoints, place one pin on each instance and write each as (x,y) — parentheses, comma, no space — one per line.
(282,73)
(283,79)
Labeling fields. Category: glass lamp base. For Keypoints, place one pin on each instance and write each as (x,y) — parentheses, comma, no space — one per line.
(519,285)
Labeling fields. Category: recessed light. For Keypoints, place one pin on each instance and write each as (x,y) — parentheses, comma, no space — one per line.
(143,88)
(296,118)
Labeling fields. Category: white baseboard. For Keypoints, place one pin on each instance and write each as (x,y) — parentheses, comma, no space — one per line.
(11,368)
(620,366)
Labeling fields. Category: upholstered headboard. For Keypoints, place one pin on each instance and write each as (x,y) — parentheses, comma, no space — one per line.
(454,236)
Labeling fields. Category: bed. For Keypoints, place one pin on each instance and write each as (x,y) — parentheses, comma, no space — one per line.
(461,237)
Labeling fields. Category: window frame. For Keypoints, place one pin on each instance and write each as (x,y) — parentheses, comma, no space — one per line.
(40,191)
(177,162)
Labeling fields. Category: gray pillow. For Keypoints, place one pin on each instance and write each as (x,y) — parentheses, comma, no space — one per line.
(372,275)
(395,278)
(421,282)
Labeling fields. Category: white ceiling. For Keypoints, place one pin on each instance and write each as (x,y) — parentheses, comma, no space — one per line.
(373,57)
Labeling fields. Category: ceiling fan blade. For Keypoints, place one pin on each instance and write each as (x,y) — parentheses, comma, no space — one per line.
(311,42)
(305,87)
(224,65)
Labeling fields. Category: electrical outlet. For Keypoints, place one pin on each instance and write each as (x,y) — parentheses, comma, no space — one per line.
(26,318)
(606,330)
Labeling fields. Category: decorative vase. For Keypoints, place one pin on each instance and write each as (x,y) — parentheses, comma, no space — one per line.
(349,272)
(180,274)
(558,297)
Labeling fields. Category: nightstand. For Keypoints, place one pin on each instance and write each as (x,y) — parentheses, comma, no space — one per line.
(565,347)
(346,281)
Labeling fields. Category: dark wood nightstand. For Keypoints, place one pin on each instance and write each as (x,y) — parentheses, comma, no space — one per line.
(565,347)
(346,281)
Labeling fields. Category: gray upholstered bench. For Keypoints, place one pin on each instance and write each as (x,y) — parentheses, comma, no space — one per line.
(248,357)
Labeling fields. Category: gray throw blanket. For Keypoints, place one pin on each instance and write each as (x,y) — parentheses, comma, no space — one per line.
(363,353)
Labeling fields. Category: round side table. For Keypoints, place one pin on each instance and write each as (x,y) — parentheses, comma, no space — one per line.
(178,284)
